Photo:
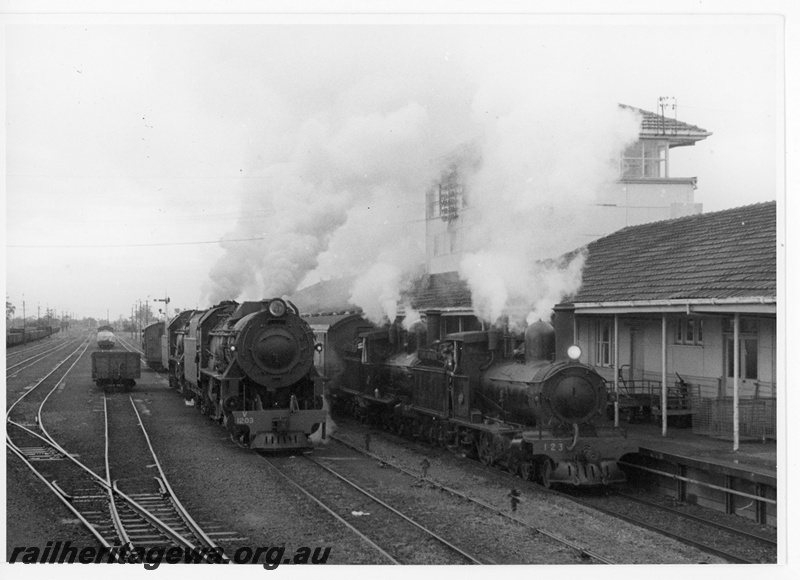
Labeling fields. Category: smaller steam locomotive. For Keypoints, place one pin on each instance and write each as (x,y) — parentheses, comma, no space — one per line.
(484,393)
(249,367)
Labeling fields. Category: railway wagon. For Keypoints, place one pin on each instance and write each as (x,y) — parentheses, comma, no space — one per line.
(490,394)
(15,336)
(105,338)
(116,368)
(152,336)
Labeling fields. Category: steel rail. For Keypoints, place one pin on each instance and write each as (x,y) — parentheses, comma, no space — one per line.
(43,379)
(182,511)
(336,516)
(58,493)
(35,359)
(41,348)
(109,487)
(397,512)
(112,505)
(483,504)
(99,480)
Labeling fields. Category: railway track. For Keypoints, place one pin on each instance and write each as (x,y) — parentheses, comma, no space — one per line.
(582,552)
(706,534)
(31,356)
(376,523)
(143,520)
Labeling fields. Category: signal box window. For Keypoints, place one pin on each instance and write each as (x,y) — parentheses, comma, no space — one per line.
(645,159)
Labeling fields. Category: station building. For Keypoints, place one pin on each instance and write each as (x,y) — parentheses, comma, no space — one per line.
(690,303)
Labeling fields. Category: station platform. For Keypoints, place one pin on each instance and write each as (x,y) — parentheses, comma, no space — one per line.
(754,460)
(706,471)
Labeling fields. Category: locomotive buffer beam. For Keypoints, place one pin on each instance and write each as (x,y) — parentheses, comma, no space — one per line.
(279,428)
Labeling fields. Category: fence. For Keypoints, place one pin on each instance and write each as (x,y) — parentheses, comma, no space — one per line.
(714,417)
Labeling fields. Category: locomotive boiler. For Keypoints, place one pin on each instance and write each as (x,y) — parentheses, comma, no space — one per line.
(250,367)
(499,397)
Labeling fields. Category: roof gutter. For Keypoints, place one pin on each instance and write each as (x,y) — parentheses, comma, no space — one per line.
(751,304)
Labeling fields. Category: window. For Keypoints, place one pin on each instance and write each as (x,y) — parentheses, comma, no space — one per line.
(603,344)
(645,159)
(689,331)
(446,199)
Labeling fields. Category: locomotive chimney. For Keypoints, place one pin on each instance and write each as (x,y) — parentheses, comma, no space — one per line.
(494,339)
(540,342)
(420,333)
(434,320)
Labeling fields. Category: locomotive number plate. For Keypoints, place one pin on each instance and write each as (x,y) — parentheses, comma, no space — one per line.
(244,420)
(549,446)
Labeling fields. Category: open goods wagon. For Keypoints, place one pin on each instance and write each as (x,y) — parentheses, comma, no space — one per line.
(116,368)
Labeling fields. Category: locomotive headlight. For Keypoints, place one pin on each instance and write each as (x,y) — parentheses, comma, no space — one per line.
(233,349)
(318,347)
(277,308)
(574,352)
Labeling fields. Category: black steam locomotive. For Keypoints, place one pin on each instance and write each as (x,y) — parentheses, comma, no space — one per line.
(486,393)
(250,367)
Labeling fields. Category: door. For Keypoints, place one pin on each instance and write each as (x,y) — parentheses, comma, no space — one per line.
(748,364)
(637,355)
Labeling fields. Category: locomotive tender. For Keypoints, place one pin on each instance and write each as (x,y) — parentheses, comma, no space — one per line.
(470,390)
(151,345)
(250,367)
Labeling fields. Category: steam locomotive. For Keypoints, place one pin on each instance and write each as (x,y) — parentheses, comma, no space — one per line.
(250,367)
(486,393)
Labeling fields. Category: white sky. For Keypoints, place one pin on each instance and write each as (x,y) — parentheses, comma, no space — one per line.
(131,141)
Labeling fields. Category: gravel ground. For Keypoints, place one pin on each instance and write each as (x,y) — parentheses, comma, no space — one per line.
(234,491)
(618,541)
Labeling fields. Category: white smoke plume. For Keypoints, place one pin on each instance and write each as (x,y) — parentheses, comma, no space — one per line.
(377,292)
(291,213)
(343,192)
(411,317)
(544,160)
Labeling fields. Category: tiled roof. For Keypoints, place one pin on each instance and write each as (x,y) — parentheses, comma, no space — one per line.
(656,125)
(328,296)
(725,254)
(435,291)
